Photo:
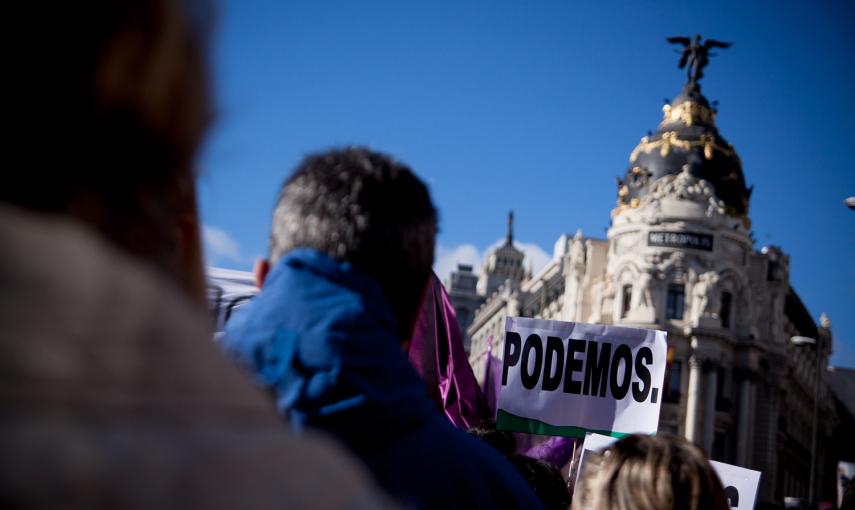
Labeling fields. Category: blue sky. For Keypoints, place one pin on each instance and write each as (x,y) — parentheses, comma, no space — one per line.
(535,106)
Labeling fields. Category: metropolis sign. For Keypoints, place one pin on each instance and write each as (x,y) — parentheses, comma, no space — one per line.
(680,240)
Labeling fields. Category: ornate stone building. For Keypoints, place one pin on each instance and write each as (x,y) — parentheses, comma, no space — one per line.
(502,269)
(679,257)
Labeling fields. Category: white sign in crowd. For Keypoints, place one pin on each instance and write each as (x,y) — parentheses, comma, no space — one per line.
(566,379)
(594,381)
(740,484)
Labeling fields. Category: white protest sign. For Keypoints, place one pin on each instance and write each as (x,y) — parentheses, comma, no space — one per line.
(593,443)
(740,484)
(566,379)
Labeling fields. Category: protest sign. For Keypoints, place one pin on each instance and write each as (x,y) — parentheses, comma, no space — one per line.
(740,484)
(592,443)
(566,379)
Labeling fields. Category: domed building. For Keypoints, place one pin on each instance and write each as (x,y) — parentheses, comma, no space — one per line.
(687,139)
(746,360)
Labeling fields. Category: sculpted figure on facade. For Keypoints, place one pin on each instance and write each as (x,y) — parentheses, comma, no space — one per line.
(577,250)
(574,272)
(824,321)
(685,186)
(608,300)
(672,266)
(705,299)
(642,305)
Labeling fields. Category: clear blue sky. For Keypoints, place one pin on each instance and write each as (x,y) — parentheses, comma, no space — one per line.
(535,106)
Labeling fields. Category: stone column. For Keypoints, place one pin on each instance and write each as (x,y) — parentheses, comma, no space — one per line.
(743,438)
(692,397)
(709,408)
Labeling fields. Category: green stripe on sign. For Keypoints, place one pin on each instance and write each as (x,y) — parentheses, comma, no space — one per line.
(514,423)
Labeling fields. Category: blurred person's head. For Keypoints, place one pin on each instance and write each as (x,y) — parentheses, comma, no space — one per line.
(640,472)
(502,440)
(365,208)
(110,103)
(545,480)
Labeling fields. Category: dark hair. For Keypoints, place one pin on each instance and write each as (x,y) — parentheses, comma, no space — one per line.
(502,440)
(363,207)
(545,480)
(110,103)
(642,472)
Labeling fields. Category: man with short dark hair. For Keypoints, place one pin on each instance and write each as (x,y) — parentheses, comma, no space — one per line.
(351,254)
(369,210)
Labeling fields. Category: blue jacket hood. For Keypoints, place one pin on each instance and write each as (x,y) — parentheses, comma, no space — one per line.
(322,336)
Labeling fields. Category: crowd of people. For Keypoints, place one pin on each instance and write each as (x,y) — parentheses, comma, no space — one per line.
(323,392)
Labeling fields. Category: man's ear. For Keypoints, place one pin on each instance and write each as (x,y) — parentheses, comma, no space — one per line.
(261,268)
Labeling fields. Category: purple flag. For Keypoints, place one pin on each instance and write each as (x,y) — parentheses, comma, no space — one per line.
(436,352)
(557,450)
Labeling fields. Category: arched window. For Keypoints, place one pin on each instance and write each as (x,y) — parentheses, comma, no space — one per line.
(724,313)
(626,298)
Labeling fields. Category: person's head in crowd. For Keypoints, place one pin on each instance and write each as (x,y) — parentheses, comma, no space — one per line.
(640,472)
(503,441)
(351,250)
(545,480)
(365,208)
(110,105)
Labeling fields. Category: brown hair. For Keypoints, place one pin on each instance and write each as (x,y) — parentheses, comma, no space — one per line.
(640,472)
(110,104)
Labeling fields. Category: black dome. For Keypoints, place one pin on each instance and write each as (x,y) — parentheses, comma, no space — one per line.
(687,136)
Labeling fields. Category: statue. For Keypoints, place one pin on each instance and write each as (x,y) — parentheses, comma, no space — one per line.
(675,260)
(577,248)
(705,301)
(607,305)
(574,271)
(696,56)
(824,321)
(642,298)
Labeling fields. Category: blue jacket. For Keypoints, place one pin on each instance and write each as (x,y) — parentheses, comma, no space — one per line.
(321,336)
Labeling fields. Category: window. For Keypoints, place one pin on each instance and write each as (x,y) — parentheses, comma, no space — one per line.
(722,403)
(720,446)
(675,302)
(724,313)
(672,382)
(626,297)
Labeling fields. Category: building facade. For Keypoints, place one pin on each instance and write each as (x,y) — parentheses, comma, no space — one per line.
(747,362)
